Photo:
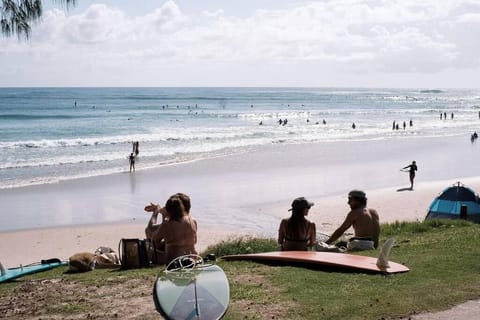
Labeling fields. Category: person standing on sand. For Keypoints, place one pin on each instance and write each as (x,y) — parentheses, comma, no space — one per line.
(177,234)
(297,232)
(365,223)
(411,169)
(131,158)
(404,125)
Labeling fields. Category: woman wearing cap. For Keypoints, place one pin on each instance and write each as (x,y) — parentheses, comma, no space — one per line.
(297,232)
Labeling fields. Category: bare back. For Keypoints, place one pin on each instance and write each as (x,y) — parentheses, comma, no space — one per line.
(366,224)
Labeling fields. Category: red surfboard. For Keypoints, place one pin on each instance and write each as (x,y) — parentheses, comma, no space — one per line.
(343,261)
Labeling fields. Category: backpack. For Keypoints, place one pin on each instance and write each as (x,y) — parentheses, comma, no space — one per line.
(133,253)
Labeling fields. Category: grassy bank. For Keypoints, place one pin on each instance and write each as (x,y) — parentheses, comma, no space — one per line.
(443,257)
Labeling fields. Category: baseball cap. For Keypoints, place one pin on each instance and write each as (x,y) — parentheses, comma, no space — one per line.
(357,194)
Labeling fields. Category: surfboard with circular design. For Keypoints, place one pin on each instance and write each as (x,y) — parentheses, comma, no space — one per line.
(202,292)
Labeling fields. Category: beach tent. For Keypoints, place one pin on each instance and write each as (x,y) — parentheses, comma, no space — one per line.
(448,205)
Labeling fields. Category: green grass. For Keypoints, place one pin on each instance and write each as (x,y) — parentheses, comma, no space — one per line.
(242,245)
(444,258)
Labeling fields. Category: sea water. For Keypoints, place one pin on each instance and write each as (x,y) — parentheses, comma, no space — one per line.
(52,134)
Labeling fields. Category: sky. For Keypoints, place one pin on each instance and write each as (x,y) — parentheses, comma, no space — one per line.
(249,43)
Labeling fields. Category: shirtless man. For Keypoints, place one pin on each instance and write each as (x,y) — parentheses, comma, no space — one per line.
(365,222)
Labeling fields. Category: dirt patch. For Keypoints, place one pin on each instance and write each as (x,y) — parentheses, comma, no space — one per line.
(265,308)
(64,299)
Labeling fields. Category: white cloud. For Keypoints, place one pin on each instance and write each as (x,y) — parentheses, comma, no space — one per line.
(349,37)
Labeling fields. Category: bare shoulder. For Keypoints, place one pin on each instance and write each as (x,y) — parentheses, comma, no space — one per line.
(373,212)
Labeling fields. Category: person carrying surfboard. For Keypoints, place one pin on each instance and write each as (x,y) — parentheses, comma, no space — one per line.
(365,223)
(297,232)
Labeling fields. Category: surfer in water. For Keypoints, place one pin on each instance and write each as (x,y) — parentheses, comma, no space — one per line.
(176,235)
(411,169)
(297,232)
(365,223)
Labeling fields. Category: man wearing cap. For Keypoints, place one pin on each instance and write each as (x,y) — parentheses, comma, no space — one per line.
(297,232)
(365,223)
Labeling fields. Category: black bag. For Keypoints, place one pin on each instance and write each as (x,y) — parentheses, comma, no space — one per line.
(133,253)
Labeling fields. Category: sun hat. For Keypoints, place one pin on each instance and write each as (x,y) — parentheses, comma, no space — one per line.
(301,203)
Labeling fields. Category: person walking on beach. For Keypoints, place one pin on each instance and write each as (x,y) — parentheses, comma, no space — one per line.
(131,159)
(393,125)
(445,116)
(297,233)
(354,126)
(176,235)
(452,115)
(411,123)
(365,223)
(441,116)
(137,151)
(404,125)
(411,170)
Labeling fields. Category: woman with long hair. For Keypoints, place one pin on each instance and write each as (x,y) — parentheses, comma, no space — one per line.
(177,234)
(297,232)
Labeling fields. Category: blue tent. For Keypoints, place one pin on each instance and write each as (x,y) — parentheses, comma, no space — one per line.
(448,205)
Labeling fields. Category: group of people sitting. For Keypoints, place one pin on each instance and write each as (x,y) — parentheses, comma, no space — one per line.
(176,234)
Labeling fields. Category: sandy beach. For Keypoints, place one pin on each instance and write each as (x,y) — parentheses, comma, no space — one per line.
(245,193)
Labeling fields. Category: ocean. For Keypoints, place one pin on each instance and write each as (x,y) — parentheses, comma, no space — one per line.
(53,134)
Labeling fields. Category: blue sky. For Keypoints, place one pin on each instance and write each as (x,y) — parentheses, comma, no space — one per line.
(351,43)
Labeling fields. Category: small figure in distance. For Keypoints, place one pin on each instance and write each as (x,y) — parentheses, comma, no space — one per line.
(404,125)
(280,121)
(411,123)
(137,151)
(354,126)
(397,127)
(411,169)
(176,235)
(393,125)
(365,223)
(452,115)
(131,158)
(297,232)
(324,122)
(260,123)
(285,122)
(445,115)
(441,116)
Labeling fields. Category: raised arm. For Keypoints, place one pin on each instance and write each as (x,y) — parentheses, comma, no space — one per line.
(341,230)
(152,223)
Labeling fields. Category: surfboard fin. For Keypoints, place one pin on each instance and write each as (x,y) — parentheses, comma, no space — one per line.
(382,261)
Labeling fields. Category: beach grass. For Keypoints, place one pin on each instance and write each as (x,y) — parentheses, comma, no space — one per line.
(443,256)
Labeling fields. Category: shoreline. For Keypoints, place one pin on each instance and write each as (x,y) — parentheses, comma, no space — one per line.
(226,152)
